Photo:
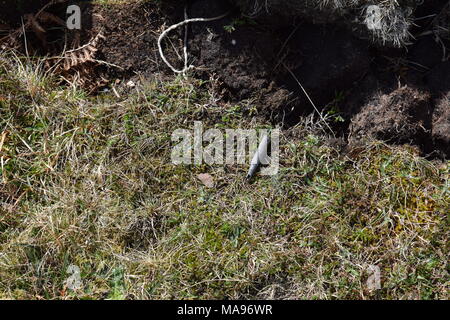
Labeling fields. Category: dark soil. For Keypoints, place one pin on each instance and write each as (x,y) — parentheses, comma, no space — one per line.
(441,125)
(45,36)
(393,94)
(13,10)
(130,36)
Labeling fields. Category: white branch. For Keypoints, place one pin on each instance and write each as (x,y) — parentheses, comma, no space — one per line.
(175,26)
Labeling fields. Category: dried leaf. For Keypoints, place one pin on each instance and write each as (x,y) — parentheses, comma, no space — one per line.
(206,179)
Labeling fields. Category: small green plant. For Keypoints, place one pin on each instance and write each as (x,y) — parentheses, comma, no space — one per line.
(237,22)
(334,112)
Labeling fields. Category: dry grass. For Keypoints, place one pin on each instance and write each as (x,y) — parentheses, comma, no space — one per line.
(87,181)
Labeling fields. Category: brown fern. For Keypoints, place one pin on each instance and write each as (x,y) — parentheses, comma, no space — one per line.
(81,55)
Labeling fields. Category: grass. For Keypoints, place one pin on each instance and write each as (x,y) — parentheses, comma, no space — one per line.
(87,181)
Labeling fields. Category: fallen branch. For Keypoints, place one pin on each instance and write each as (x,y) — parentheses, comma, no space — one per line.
(178,25)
